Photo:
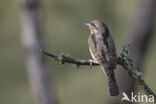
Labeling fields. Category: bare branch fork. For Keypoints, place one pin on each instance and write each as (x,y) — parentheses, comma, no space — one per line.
(124,60)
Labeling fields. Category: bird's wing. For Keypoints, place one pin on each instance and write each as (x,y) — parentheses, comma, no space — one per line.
(112,51)
(102,51)
(98,49)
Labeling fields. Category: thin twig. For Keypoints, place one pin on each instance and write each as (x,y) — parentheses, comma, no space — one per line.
(124,60)
(68,59)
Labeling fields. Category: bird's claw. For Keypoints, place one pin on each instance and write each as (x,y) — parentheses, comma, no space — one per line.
(91,63)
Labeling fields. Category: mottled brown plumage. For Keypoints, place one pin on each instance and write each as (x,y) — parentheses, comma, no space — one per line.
(102,49)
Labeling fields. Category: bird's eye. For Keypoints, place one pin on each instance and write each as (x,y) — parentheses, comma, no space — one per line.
(93,24)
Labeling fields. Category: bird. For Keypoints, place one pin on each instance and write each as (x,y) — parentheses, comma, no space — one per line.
(103,51)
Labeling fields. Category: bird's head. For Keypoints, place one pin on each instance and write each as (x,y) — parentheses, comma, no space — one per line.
(97,27)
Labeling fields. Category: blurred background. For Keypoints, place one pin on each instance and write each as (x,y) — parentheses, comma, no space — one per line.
(64,31)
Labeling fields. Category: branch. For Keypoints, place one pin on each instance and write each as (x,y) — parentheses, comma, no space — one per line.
(124,60)
(68,59)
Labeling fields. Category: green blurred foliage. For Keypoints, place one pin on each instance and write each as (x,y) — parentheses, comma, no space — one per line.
(64,31)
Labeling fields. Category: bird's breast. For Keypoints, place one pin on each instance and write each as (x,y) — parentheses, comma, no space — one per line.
(92,54)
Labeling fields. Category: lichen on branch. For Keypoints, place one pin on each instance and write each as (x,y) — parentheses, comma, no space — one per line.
(124,60)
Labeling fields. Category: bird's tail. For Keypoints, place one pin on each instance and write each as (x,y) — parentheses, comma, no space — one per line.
(112,84)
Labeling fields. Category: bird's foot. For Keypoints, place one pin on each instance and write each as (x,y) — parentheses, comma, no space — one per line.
(91,62)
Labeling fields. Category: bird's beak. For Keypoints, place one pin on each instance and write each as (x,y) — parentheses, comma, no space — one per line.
(87,24)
